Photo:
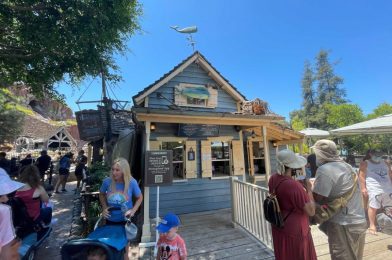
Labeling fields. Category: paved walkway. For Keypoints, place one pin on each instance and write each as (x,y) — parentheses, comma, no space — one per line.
(63,206)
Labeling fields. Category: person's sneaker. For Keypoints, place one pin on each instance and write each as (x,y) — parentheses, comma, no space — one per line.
(64,190)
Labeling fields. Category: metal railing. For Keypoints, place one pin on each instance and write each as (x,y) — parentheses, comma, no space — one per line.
(247,210)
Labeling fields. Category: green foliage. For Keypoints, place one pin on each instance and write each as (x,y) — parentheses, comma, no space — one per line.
(94,210)
(297,123)
(343,115)
(11,120)
(44,42)
(22,109)
(382,109)
(98,171)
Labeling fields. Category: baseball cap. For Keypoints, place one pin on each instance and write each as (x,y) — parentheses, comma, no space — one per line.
(6,184)
(169,220)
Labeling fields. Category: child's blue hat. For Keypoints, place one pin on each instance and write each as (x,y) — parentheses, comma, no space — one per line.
(169,220)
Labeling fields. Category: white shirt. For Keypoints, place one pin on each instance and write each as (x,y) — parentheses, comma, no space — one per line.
(7,232)
(377,178)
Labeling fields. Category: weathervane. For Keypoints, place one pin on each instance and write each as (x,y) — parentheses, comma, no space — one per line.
(188,30)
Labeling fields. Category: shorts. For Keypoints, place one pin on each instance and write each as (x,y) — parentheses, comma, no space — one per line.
(63,171)
(79,170)
(375,200)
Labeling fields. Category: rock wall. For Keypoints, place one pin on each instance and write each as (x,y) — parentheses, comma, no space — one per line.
(47,107)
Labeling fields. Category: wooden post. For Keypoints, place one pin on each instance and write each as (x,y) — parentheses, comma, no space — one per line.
(146,232)
(89,154)
(267,160)
(233,203)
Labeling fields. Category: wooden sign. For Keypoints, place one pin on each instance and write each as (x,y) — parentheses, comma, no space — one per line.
(89,125)
(159,168)
(192,130)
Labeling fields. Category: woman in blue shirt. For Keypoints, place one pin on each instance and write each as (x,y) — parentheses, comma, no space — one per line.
(118,191)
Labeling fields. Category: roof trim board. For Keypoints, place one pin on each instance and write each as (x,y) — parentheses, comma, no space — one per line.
(199,59)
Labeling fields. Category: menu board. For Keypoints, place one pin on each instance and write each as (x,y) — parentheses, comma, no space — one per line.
(159,168)
(89,125)
(193,130)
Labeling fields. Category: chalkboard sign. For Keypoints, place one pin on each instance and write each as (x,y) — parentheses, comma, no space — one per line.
(89,125)
(159,168)
(192,130)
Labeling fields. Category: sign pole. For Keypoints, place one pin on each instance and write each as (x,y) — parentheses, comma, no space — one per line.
(157,223)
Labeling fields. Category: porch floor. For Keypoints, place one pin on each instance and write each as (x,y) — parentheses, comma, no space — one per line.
(210,235)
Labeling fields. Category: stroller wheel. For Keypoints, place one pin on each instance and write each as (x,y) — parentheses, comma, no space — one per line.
(31,255)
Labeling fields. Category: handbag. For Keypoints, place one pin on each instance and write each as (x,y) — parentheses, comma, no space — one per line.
(130,230)
(326,211)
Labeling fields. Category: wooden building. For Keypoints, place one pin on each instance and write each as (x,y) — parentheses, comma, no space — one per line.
(195,112)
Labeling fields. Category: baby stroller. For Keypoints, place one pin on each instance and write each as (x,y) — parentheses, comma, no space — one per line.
(31,233)
(107,240)
(384,218)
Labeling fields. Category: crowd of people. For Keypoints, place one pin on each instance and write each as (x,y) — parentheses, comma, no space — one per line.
(328,178)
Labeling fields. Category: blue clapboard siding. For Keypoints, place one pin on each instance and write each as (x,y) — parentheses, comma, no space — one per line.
(195,75)
(195,195)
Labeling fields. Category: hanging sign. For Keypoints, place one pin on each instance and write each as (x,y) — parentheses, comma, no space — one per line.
(89,125)
(159,168)
(193,130)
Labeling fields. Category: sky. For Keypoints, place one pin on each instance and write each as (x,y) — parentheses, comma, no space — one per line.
(260,47)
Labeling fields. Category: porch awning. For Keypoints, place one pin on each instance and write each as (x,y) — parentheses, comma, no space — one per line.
(196,92)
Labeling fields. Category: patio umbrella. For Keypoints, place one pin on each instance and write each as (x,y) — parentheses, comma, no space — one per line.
(379,125)
(314,132)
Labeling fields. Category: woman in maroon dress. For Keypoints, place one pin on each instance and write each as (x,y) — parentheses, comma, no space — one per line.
(294,240)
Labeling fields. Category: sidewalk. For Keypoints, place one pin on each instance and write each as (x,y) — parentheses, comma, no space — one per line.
(63,206)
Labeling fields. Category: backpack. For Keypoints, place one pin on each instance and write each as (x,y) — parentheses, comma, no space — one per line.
(23,223)
(272,211)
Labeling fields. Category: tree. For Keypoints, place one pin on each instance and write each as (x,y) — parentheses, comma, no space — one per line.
(11,120)
(343,114)
(381,110)
(314,110)
(384,142)
(327,82)
(43,42)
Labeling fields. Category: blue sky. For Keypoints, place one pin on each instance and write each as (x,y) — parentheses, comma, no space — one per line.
(261,47)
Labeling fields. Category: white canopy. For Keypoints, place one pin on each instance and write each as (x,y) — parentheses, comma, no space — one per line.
(379,125)
(314,132)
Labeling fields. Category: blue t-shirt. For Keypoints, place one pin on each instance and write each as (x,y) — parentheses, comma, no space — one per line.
(118,197)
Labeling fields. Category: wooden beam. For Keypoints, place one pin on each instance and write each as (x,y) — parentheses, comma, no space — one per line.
(284,142)
(186,119)
(267,160)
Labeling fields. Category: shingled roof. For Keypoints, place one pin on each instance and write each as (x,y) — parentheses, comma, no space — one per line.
(38,129)
(195,56)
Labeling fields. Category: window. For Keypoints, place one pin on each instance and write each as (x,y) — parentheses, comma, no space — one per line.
(220,158)
(196,101)
(178,158)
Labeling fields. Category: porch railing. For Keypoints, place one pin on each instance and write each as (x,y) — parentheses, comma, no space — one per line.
(247,210)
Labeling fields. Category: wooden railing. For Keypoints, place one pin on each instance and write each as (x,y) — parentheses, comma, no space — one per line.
(247,210)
